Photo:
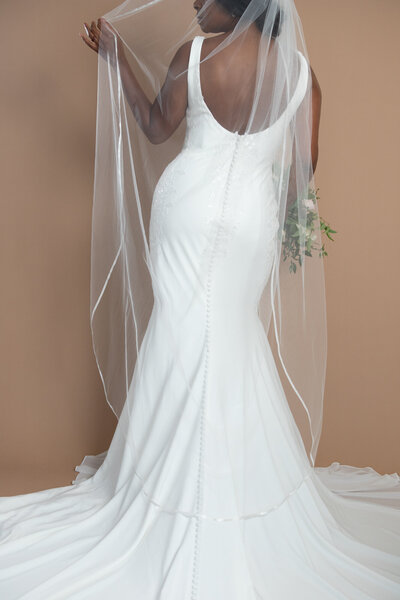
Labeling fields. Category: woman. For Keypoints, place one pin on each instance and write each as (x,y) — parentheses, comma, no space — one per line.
(207,490)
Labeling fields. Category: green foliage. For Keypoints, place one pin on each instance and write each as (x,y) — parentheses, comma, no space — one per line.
(304,230)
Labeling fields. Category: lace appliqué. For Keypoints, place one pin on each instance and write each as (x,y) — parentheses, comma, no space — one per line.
(164,197)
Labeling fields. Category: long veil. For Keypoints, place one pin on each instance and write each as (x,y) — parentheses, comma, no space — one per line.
(130,166)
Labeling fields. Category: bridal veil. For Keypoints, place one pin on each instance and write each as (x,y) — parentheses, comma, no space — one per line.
(124,282)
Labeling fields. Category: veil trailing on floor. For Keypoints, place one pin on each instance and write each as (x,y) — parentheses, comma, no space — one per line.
(264,84)
(205,260)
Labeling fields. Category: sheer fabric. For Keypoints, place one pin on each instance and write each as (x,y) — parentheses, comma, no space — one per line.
(207,491)
(256,94)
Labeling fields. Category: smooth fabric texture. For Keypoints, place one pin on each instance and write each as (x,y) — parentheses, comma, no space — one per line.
(250,77)
(162,521)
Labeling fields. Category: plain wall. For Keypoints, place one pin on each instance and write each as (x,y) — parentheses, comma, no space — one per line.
(53,409)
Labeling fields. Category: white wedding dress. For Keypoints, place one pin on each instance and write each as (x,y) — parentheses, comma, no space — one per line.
(215,499)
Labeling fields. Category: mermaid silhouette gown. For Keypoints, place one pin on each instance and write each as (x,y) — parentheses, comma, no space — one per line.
(216,499)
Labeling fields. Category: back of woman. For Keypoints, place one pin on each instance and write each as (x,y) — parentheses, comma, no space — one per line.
(229,78)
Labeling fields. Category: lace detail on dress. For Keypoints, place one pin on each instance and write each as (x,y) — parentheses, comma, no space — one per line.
(164,197)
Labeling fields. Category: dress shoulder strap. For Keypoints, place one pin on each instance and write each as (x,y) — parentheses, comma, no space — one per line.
(193,75)
(301,86)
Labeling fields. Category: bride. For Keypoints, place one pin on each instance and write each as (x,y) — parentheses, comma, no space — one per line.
(208,326)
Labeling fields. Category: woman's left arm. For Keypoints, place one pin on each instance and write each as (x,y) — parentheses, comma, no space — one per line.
(160,118)
(316,116)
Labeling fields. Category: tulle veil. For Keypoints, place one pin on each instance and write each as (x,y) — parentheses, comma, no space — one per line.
(128,165)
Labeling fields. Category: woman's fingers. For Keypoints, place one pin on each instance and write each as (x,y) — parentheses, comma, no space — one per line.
(99,36)
(93,45)
(89,32)
(95,31)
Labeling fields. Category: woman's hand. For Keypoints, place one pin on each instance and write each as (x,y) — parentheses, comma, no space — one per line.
(159,118)
(101,37)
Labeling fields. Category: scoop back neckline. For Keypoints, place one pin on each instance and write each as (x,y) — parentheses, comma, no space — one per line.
(236,133)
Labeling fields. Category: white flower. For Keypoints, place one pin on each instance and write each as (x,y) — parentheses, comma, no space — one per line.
(302,230)
(308,203)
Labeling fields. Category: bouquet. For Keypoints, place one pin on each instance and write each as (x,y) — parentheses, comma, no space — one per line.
(299,236)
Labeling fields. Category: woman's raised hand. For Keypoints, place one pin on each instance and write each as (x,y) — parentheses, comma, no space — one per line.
(92,37)
(101,36)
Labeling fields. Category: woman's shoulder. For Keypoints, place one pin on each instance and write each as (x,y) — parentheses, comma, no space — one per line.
(180,60)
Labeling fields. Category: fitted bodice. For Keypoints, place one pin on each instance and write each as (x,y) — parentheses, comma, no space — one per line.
(217,199)
(203,131)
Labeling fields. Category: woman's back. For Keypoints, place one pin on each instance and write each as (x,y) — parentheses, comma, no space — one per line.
(229,81)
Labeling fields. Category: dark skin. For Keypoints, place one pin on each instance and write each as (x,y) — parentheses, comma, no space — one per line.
(316,116)
(158,125)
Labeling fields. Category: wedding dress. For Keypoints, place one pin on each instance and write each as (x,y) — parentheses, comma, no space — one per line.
(163,517)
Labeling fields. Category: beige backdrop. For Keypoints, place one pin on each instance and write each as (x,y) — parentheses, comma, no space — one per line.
(52,403)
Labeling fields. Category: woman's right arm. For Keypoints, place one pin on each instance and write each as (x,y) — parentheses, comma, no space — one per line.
(160,118)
